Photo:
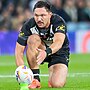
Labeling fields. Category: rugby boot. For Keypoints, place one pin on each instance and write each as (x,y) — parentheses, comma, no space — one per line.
(35,84)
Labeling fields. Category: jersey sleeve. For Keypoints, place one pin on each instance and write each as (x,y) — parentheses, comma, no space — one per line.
(60,26)
(23,35)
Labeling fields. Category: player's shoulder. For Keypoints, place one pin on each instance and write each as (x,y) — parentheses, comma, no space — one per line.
(30,23)
(55,19)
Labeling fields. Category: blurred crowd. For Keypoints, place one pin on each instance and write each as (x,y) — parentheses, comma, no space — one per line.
(13,13)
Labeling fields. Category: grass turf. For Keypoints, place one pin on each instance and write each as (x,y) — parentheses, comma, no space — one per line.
(78,79)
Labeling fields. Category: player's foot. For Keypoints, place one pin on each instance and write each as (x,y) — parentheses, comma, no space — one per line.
(24,86)
(49,85)
(35,84)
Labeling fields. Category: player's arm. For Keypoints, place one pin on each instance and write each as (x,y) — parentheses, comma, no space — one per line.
(21,44)
(59,37)
(55,46)
(19,53)
(58,41)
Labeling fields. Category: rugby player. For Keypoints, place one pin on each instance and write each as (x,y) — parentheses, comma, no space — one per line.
(45,36)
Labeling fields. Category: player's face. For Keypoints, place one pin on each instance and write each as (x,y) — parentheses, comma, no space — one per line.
(42,17)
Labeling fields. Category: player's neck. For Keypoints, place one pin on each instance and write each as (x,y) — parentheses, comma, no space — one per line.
(47,25)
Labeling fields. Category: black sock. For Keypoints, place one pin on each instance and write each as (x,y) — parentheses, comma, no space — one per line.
(36,71)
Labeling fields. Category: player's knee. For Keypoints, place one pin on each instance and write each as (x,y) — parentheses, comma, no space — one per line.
(33,40)
(57,84)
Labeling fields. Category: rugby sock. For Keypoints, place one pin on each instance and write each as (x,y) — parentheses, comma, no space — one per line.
(36,71)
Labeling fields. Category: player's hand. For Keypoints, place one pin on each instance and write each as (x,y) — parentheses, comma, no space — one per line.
(41,56)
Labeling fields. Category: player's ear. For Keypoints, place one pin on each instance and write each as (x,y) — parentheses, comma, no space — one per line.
(50,13)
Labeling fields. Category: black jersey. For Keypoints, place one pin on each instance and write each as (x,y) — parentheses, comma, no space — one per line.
(57,24)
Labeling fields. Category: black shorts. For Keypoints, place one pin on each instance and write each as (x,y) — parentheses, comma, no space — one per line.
(58,57)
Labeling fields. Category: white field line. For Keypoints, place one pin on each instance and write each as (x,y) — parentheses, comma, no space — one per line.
(46,75)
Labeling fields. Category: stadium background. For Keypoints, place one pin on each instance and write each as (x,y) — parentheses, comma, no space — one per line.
(13,13)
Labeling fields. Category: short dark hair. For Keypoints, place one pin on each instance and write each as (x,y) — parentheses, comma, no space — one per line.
(41,4)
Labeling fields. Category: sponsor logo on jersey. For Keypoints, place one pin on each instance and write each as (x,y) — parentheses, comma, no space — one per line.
(62,27)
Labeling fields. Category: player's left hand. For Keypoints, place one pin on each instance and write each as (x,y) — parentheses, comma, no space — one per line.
(41,56)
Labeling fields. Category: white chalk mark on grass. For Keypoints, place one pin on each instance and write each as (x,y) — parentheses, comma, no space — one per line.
(46,75)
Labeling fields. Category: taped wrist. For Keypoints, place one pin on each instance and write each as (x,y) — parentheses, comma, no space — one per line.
(48,51)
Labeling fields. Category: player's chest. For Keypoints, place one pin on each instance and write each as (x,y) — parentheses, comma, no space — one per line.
(45,34)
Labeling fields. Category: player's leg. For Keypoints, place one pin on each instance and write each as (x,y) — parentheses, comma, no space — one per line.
(58,74)
(33,43)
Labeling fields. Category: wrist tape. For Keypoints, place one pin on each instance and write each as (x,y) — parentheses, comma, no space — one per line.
(48,51)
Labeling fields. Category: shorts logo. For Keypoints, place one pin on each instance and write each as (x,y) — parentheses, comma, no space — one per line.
(62,27)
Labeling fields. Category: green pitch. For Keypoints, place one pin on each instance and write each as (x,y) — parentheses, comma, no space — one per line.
(77,79)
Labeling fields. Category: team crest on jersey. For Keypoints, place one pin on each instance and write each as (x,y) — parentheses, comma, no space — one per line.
(21,34)
(62,27)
